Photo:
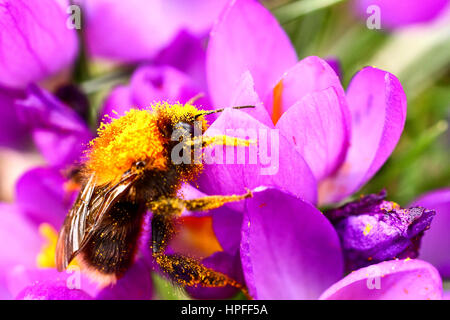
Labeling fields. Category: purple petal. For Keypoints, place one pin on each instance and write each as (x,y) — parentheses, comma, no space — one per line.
(335,64)
(225,263)
(289,250)
(150,84)
(59,133)
(377,103)
(51,290)
(307,76)
(401,13)
(13,133)
(21,244)
(35,40)
(373,230)
(227,224)
(246,37)
(283,167)
(186,53)
(20,240)
(245,95)
(317,127)
(138,29)
(20,277)
(40,194)
(389,280)
(116,104)
(136,284)
(436,240)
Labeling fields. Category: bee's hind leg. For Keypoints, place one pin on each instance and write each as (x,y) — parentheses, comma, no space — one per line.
(187,271)
(184,270)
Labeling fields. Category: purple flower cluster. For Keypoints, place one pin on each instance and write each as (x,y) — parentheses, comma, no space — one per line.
(331,143)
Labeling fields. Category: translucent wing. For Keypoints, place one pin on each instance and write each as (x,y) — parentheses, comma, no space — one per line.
(91,205)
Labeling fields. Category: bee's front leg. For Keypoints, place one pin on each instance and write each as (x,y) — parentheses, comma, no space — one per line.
(166,209)
(175,206)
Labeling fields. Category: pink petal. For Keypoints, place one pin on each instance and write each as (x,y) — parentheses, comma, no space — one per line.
(316,125)
(35,40)
(377,104)
(246,37)
(289,250)
(245,95)
(307,76)
(20,240)
(284,167)
(116,104)
(150,84)
(389,280)
(40,194)
(136,30)
(22,277)
(436,240)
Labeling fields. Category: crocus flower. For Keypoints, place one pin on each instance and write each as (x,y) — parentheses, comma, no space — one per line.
(373,230)
(402,13)
(305,101)
(289,250)
(35,41)
(138,30)
(324,138)
(436,241)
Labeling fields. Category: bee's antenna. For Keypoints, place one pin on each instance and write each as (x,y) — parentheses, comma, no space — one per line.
(195,98)
(205,113)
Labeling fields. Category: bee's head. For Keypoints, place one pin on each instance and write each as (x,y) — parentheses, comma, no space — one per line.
(180,121)
(144,139)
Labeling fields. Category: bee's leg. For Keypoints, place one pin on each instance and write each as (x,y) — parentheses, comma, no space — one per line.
(163,229)
(213,202)
(184,270)
(187,271)
(174,206)
(166,209)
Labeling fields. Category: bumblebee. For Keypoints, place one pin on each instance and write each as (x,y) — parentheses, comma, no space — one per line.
(128,170)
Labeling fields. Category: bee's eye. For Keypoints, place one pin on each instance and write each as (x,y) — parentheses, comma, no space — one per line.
(140,164)
(186,128)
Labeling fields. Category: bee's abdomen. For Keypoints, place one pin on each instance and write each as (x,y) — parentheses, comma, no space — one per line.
(113,245)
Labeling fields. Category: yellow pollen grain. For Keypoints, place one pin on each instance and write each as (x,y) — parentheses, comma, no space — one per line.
(367,229)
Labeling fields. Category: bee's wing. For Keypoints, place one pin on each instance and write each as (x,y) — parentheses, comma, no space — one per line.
(88,210)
